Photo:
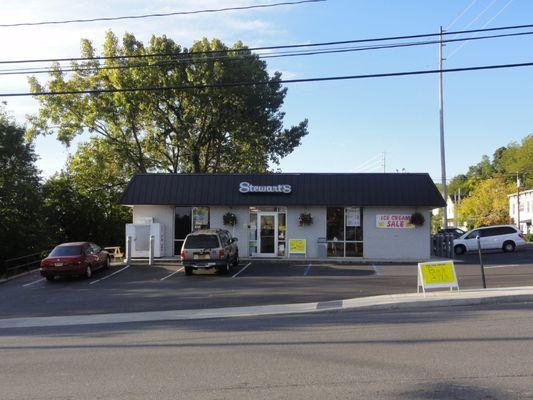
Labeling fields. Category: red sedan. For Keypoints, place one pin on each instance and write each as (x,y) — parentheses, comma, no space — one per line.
(77,258)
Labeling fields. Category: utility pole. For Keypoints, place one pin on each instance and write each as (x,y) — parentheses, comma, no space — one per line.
(518,201)
(442,150)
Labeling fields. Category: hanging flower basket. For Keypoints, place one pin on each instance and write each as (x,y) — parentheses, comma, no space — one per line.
(417,219)
(305,219)
(229,219)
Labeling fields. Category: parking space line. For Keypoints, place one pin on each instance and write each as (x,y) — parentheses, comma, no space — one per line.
(243,268)
(505,266)
(307,270)
(31,283)
(110,275)
(174,273)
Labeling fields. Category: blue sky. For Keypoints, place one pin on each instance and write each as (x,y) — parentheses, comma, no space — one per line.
(350,122)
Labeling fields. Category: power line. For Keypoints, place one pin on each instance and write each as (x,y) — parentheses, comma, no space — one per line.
(247,57)
(468,7)
(481,14)
(169,14)
(260,83)
(370,162)
(484,26)
(249,49)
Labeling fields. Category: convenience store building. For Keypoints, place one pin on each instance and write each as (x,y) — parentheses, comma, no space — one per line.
(368,217)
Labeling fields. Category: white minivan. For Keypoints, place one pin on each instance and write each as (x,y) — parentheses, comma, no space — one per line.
(505,237)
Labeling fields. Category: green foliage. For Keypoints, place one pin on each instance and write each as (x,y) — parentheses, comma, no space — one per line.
(72,213)
(81,203)
(20,196)
(500,172)
(77,204)
(232,129)
(436,221)
(486,205)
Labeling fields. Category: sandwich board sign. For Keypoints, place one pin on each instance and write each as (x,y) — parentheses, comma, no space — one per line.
(436,275)
(297,246)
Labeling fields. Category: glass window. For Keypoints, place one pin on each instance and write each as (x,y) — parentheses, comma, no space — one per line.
(472,235)
(335,249)
(335,223)
(354,249)
(252,233)
(344,232)
(282,234)
(200,218)
(182,226)
(489,232)
(201,242)
(66,251)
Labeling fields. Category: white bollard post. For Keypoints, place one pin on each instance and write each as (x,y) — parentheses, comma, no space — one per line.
(151,251)
(128,250)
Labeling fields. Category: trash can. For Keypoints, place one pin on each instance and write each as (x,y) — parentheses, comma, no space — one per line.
(322,249)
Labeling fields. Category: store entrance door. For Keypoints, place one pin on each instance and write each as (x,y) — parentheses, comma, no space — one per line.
(268,233)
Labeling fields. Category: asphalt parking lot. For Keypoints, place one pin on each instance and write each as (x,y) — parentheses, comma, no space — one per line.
(165,287)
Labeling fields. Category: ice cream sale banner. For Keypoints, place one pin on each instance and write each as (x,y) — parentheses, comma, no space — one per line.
(394,221)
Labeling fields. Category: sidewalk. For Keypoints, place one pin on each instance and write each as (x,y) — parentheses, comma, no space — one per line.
(385,302)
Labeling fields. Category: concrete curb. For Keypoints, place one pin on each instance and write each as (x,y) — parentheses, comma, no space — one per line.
(4,280)
(385,302)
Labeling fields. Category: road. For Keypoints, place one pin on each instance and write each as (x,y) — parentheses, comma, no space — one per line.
(452,353)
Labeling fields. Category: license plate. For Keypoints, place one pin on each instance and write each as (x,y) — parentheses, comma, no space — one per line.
(58,264)
(201,257)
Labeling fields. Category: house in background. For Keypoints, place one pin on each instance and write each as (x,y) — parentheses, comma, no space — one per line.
(452,201)
(526,210)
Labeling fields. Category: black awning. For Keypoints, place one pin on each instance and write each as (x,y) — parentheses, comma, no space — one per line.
(325,189)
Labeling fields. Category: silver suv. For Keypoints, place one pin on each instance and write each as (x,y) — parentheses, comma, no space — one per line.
(209,248)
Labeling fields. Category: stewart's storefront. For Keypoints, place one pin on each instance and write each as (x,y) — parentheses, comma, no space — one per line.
(383,217)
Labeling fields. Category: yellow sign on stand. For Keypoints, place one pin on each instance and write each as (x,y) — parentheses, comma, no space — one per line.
(435,275)
(297,246)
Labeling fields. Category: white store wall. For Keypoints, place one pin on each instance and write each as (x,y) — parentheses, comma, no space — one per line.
(165,216)
(311,232)
(399,244)
(240,230)
(378,243)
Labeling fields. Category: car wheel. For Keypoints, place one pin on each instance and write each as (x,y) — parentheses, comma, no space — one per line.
(225,268)
(50,278)
(508,247)
(88,272)
(236,260)
(107,263)
(460,249)
(188,271)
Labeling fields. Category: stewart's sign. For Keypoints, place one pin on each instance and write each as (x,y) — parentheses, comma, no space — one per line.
(394,221)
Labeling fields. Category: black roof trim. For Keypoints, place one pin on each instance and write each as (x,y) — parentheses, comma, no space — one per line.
(308,189)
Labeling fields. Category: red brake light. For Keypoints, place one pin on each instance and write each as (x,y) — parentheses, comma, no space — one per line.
(221,253)
(521,235)
(182,254)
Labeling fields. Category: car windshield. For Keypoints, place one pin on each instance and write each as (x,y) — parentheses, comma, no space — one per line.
(66,251)
(201,242)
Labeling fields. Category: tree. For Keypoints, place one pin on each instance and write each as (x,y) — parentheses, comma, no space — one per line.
(20,194)
(207,129)
(80,203)
(519,158)
(487,204)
